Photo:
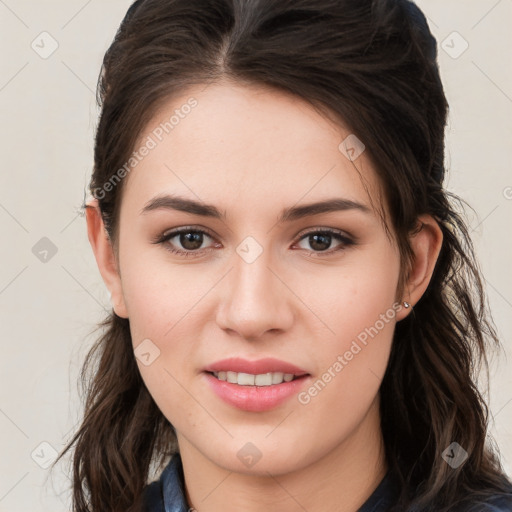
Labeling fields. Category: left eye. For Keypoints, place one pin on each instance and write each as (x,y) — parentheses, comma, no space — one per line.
(320,239)
(191,241)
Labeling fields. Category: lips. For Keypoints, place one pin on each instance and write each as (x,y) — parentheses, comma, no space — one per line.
(261,366)
(255,398)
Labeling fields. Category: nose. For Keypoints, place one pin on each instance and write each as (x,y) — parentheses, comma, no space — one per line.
(255,299)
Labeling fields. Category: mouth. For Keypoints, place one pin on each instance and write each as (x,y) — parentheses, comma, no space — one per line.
(259,380)
(258,391)
(262,372)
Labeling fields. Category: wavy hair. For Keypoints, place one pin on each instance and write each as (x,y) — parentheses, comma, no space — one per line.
(372,64)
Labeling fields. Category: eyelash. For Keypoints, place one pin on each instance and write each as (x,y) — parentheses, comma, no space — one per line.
(340,236)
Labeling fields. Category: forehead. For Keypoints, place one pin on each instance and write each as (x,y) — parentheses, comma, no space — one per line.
(247,146)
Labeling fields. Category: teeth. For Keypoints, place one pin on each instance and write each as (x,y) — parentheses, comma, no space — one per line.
(248,379)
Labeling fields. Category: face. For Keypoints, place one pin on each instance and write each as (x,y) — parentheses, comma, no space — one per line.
(314,288)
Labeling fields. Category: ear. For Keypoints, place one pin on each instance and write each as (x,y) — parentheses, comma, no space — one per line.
(105,258)
(426,245)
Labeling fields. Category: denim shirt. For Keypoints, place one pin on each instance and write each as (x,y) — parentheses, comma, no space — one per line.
(168,494)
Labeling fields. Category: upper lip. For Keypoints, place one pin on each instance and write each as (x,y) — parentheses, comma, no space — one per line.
(266,365)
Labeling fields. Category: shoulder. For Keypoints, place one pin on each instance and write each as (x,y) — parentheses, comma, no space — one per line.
(167,493)
(477,502)
(153,500)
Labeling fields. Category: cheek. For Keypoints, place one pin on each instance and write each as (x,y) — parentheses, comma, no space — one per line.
(350,372)
(164,322)
(358,308)
(352,299)
(157,294)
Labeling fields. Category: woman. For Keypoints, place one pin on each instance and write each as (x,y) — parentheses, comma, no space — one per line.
(297,310)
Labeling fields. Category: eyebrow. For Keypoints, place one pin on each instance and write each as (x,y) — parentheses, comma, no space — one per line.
(168,202)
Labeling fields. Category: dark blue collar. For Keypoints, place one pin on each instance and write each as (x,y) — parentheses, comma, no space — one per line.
(168,493)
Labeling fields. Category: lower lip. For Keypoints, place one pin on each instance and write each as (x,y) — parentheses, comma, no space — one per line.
(255,398)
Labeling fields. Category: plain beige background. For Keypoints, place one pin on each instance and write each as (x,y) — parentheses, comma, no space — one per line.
(49,308)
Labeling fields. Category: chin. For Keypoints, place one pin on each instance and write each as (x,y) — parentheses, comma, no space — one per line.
(251,460)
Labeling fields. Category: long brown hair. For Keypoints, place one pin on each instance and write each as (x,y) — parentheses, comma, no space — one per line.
(373,64)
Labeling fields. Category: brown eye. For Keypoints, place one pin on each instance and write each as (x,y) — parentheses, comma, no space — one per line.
(191,240)
(185,241)
(320,241)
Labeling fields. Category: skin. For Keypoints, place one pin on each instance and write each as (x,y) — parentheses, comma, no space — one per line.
(253,151)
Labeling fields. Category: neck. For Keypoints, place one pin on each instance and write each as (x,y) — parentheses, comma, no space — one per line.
(341,481)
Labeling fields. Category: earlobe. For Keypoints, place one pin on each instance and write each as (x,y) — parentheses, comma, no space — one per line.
(426,245)
(105,258)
